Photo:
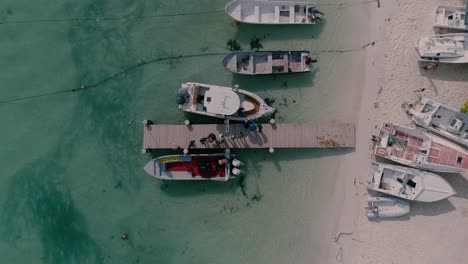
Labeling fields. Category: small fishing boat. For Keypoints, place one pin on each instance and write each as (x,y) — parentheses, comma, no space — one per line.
(268,62)
(386,207)
(419,149)
(273,12)
(441,119)
(410,184)
(215,167)
(221,102)
(454,17)
(447,48)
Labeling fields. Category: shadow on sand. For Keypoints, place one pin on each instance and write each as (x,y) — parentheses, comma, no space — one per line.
(417,208)
(277,81)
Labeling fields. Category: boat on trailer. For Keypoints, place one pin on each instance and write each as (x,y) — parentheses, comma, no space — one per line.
(447,48)
(221,102)
(420,149)
(273,12)
(268,62)
(441,119)
(453,17)
(410,184)
(214,167)
(386,207)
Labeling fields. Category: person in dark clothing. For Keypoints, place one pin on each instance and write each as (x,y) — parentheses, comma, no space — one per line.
(191,144)
(246,124)
(211,138)
(260,128)
(203,140)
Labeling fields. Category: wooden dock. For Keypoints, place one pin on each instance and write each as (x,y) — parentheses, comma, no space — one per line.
(320,135)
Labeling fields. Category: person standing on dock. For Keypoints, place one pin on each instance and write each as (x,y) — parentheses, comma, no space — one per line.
(260,128)
(211,138)
(252,126)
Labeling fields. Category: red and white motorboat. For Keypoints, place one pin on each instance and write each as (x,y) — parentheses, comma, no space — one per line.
(420,149)
(215,167)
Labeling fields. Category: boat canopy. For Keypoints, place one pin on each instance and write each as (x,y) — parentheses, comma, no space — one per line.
(221,101)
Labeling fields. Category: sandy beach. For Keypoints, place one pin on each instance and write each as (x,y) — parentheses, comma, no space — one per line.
(432,232)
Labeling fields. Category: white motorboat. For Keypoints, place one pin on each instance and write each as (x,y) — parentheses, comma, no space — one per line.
(273,12)
(447,48)
(453,17)
(386,207)
(420,149)
(409,184)
(268,62)
(441,119)
(221,102)
(215,167)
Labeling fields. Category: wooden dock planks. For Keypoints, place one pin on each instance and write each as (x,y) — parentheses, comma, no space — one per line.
(320,135)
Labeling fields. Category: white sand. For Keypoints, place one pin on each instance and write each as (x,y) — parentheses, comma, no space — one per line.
(433,232)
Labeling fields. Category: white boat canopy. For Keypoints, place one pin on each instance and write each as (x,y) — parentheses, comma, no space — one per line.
(221,102)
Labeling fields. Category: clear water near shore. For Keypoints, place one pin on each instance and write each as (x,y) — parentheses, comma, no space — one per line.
(72,178)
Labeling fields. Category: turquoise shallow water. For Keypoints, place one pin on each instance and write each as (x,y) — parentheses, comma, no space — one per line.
(72,179)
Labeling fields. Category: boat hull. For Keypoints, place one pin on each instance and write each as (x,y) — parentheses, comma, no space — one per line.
(451,17)
(272,12)
(253,107)
(191,167)
(441,54)
(441,119)
(267,62)
(419,149)
(387,207)
(409,184)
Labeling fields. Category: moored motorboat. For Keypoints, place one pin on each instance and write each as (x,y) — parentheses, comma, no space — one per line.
(441,119)
(273,12)
(419,149)
(268,62)
(408,183)
(453,17)
(447,48)
(386,207)
(215,167)
(221,102)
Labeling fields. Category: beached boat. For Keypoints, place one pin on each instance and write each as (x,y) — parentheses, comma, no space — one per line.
(221,102)
(420,149)
(215,167)
(273,12)
(386,207)
(409,184)
(454,17)
(447,48)
(441,119)
(268,62)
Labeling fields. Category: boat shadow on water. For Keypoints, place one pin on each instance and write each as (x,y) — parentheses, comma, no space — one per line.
(255,83)
(280,32)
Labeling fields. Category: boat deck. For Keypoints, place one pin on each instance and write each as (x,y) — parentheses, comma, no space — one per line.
(203,166)
(410,146)
(322,135)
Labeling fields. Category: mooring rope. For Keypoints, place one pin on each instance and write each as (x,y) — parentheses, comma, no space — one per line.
(111,77)
(349,3)
(339,255)
(105,18)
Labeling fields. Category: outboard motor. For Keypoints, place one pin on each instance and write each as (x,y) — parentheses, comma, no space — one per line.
(236,171)
(182,96)
(237,163)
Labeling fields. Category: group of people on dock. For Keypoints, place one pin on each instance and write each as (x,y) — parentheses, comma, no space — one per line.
(220,139)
